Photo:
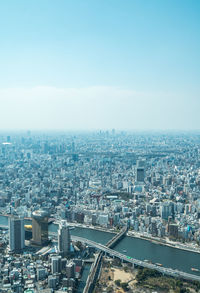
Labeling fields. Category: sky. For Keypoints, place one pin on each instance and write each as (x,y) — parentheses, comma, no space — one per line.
(100,64)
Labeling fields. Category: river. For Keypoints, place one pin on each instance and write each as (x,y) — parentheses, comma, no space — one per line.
(140,249)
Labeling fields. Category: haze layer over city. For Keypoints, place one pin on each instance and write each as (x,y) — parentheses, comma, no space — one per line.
(99,146)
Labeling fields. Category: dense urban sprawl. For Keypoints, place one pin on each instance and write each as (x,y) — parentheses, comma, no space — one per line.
(149,182)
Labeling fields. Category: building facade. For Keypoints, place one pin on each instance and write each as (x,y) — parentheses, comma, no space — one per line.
(64,239)
(40,227)
(16,234)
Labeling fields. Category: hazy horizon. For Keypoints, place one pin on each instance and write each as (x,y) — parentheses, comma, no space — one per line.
(89,65)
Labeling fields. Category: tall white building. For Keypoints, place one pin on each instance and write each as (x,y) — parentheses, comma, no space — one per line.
(103,220)
(16,234)
(64,239)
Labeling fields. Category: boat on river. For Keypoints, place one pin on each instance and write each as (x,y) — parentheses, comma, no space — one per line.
(194,270)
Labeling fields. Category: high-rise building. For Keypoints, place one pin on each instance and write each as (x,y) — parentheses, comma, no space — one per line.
(70,270)
(64,239)
(167,210)
(16,234)
(52,281)
(173,231)
(56,264)
(140,171)
(140,174)
(40,227)
(41,273)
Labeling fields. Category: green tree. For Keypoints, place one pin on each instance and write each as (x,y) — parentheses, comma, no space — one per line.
(118,282)
(124,286)
(126,269)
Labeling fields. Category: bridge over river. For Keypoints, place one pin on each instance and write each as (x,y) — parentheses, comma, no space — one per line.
(112,252)
(123,257)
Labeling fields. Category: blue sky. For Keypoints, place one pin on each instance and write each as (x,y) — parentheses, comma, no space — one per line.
(100,64)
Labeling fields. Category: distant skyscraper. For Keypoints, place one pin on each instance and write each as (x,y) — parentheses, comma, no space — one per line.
(73,147)
(16,234)
(64,239)
(40,227)
(140,174)
(140,171)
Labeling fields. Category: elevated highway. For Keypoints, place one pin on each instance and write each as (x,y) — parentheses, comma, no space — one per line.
(96,267)
(163,270)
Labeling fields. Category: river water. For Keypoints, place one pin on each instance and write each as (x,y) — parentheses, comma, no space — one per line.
(139,248)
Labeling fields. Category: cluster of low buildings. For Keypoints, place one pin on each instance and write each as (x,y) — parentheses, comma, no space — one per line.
(26,273)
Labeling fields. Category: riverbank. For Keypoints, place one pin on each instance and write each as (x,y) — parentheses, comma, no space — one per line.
(164,242)
(155,240)
(138,247)
(97,228)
